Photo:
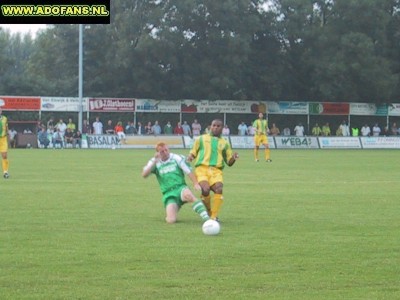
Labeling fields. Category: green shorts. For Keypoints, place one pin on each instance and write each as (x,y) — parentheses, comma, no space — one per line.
(174,196)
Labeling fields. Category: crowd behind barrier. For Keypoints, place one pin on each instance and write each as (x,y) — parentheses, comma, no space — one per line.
(58,134)
(144,117)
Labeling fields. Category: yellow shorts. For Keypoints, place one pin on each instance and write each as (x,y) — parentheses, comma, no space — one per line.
(260,139)
(3,144)
(210,174)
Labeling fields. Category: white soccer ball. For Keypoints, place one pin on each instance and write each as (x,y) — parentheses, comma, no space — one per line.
(211,227)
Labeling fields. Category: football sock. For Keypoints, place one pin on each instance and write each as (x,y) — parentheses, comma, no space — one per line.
(217,203)
(267,153)
(4,164)
(256,154)
(200,209)
(207,203)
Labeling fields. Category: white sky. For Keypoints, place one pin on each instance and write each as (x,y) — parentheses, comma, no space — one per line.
(23,28)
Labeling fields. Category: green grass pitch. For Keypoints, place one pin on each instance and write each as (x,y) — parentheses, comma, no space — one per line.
(314,224)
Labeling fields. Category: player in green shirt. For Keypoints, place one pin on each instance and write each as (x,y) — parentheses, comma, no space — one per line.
(170,170)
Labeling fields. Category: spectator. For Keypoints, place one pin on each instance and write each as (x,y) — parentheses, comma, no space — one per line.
(274,131)
(208,129)
(140,129)
(394,130)
(376,130)
(354,131)
(168,128)
(97,126)
(119,130)
(110,127)
(71,125)
(50,130)
(61,126)
(251,130)
(242,128)
(39,126)
(86,127)
(178,129)
(299,129)
(130,128)
(43,138)
(12,136)
(156,128)
(148,128)
(339,131)
(50,125)
(27,130)
(344,129)
(196,127)
(68,138)
(365,130)
(326,130)
(186,129)
(386,131)
(226,131)
(57,139)
(77,139)
(286,131)
(316,130)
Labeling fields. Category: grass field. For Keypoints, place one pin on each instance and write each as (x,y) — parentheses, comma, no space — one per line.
(314,224)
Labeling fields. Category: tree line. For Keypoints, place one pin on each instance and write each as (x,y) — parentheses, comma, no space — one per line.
(281,50)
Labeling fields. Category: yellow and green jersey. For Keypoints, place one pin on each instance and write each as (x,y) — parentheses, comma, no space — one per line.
(3,126)
(261,126)
(211,151)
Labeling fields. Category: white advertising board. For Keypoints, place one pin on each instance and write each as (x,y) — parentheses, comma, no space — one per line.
(247,142)
(380,142)
(339,142)
(63,104)
(296,142)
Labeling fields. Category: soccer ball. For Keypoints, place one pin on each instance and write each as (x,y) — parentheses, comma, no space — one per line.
(211,227)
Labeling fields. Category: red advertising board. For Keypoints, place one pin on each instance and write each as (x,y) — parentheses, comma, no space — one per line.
(111,104)
(335,108)
(20,103)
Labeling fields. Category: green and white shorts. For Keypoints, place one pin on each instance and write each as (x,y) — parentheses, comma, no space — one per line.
(174,196)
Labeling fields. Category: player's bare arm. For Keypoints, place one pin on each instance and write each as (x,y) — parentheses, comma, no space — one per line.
(233,159)
(190,157)
(196,184)
(150,166)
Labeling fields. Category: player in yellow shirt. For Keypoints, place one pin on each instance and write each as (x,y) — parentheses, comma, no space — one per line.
(260,137)
(211,152)
(4,143)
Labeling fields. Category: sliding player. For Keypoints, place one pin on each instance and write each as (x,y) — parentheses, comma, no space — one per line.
(170,170)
